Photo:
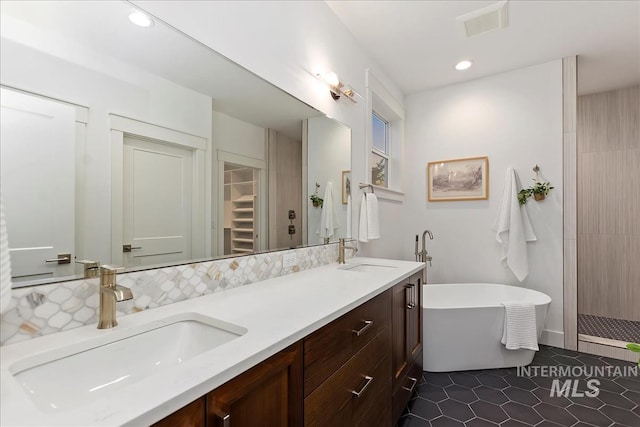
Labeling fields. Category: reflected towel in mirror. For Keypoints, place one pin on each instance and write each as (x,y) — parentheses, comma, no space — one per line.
(5,262)
(328,216)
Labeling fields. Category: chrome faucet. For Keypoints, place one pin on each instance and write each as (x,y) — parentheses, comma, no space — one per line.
(423,255)
(341,249)
(110,294)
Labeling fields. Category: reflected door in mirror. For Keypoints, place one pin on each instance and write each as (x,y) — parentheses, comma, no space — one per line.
(38,184)
(157,202)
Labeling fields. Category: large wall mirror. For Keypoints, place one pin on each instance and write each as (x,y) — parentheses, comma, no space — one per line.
(139,146)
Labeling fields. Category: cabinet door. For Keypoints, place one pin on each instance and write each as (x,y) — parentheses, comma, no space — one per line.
(267,395)
(191,415)
(399,354)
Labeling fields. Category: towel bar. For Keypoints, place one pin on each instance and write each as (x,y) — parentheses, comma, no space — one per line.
(367,185)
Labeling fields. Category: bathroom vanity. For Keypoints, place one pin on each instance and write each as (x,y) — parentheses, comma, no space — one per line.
(359,370)
(333,345)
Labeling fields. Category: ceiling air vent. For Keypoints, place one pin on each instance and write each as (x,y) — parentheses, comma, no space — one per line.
(480,21)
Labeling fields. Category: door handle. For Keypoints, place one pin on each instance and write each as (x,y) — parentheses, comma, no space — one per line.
(223,417)
(129,248)
(62,259)
(410,304)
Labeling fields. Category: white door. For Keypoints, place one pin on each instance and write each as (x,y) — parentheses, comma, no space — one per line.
(157,202)
(38,182)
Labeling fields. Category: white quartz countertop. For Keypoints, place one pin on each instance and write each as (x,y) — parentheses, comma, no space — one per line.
(276,312)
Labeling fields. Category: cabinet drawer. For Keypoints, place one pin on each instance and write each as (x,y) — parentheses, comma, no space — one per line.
(368,373)
(327,349)
(406,387)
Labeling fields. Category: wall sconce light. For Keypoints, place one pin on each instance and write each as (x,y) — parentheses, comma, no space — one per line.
(336,87)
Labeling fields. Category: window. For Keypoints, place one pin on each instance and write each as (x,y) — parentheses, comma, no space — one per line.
(379,160)
(385,139)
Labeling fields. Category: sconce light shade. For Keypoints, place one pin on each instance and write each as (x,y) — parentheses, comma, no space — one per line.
(336,87)
(332,79)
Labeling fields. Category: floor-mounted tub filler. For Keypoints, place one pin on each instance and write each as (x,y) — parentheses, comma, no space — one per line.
(463,325)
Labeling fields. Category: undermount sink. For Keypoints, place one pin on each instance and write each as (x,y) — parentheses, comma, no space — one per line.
(368,267)
(64,378)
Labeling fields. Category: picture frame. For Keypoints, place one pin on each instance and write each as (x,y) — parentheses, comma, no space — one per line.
(458,179)
(346,186)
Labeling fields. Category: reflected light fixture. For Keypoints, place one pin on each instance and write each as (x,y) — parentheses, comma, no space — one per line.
(336,87)
(464,65)
(140,19)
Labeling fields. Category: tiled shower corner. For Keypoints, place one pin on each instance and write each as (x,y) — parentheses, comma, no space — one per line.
(47,309)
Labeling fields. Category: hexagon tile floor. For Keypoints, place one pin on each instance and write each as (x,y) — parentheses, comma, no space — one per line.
(499,397)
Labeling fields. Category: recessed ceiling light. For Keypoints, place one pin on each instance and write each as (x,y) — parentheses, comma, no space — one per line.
(463,65)
(140,19)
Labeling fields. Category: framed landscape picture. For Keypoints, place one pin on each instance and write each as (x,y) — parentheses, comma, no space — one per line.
(346,186)
(458,179)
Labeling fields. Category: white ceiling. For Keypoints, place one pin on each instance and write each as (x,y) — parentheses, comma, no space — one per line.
(417,43)
(165,52)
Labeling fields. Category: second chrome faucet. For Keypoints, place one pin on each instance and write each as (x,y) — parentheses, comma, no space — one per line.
(110,294)
(341,250)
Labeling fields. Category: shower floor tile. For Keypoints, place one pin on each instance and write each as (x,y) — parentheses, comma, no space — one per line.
(604,327)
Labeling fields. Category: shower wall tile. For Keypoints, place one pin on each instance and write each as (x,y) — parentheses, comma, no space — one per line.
(608,203)
(47,309)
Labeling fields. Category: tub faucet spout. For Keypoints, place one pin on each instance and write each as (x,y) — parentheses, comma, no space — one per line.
(423,254)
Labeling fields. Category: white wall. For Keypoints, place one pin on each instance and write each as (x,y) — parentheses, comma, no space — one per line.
(286,42)
(328,154)
(515,118)
(235,136)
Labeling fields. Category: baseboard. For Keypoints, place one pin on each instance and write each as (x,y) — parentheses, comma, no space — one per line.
(552,338)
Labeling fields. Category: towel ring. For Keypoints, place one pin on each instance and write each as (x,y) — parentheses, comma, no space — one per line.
(367,185)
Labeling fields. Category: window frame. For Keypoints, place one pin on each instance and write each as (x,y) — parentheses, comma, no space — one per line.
(387,143)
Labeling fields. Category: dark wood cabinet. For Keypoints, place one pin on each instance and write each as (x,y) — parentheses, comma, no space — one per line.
(267,395)
(359,370)
(191,415)
(330,347)
(407,341)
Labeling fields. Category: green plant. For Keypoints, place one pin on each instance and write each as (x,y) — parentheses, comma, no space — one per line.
(539,188)
(542,188)
(635,348)
(315,199)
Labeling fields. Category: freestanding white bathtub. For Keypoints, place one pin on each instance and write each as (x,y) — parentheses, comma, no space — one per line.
(463,326)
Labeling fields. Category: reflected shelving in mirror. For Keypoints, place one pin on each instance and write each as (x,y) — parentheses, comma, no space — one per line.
(175,111)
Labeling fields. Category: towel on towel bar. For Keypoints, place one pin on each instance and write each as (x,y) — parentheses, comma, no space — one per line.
(369,221)
(513,229)
(519,326)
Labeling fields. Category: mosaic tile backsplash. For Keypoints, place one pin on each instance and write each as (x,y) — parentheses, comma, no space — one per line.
(47,309)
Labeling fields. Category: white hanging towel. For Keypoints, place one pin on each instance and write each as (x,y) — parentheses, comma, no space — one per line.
(369,219)
(513,229)
(5,263)
(519,326)
(328,216)
(349,216)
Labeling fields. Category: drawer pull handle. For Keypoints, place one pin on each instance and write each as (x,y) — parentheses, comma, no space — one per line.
(367,325)
(410,390)
(364,387)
